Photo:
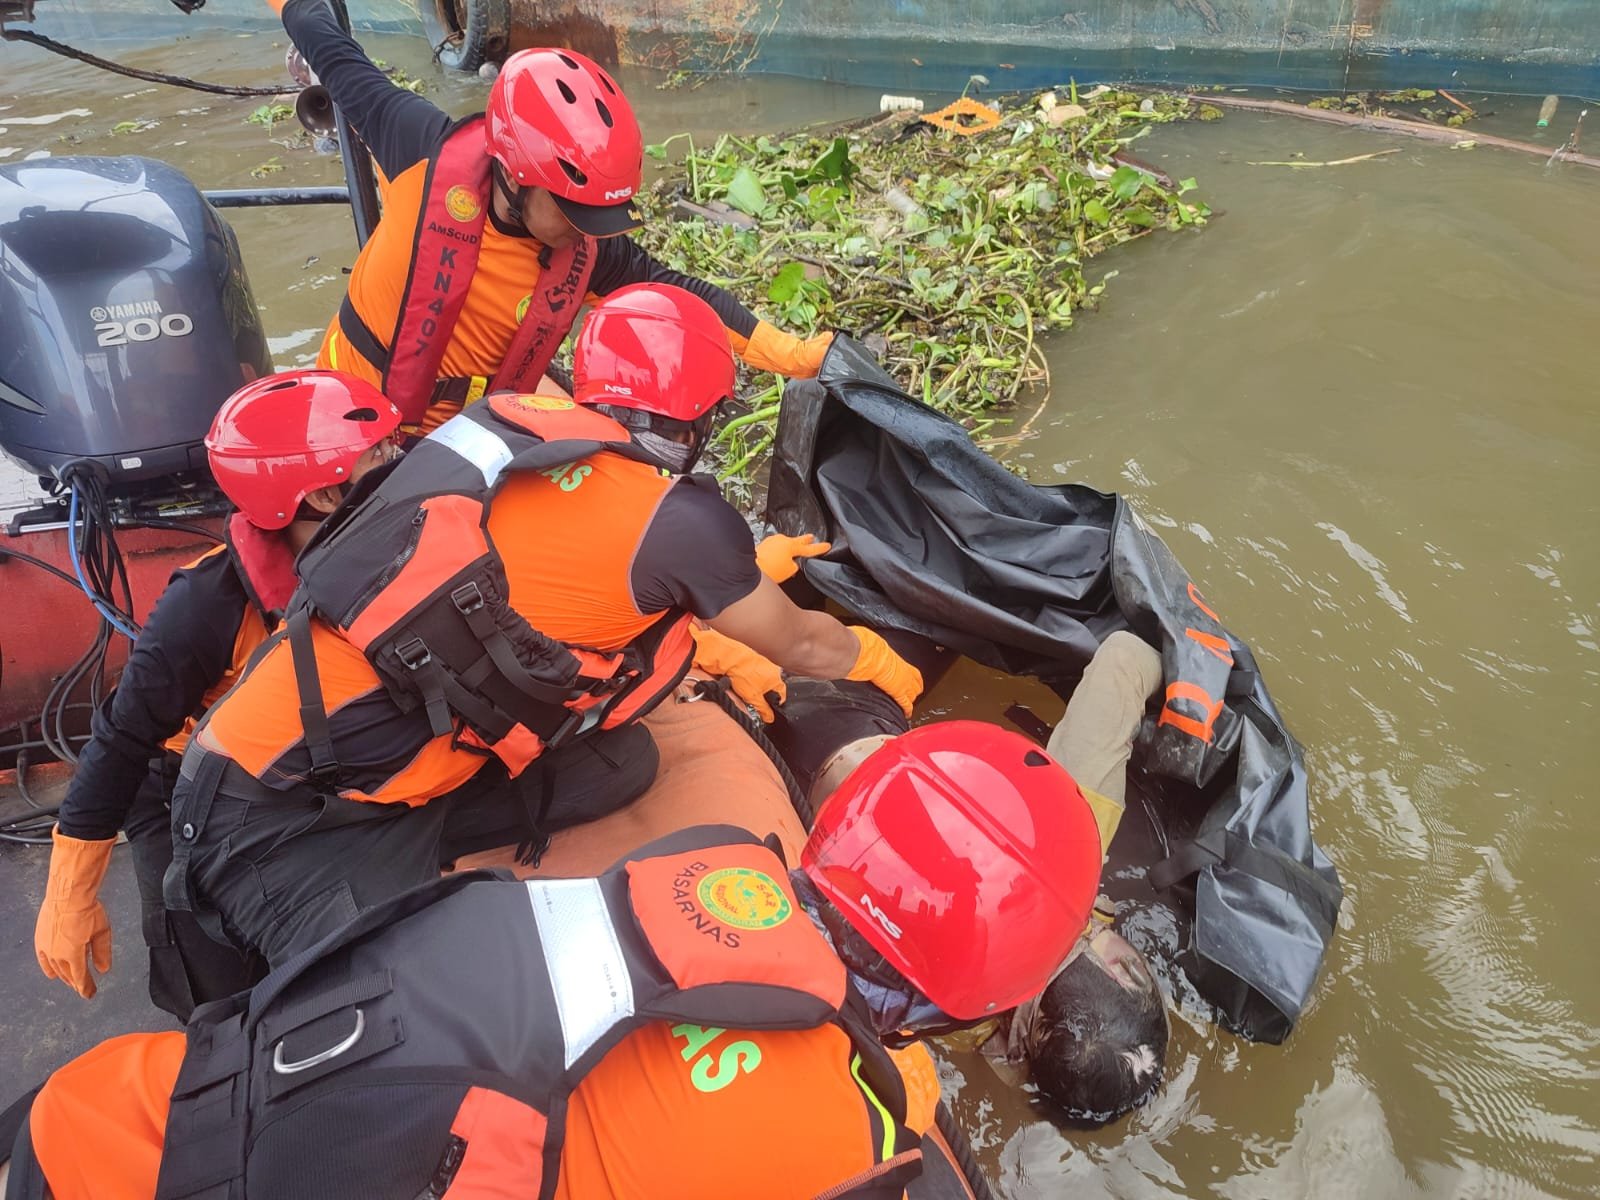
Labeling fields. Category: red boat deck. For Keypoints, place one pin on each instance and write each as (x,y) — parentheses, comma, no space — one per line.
(48,622)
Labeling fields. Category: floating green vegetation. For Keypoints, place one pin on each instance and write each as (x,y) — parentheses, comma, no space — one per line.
(950,253)
(400,77)
(1434,105)
(269,115)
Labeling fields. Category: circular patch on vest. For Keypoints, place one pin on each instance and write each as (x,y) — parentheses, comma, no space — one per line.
(539,403)
(744,898)
(461,204)
(522,307)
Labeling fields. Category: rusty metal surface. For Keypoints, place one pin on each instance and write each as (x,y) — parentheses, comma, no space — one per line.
(1509,45)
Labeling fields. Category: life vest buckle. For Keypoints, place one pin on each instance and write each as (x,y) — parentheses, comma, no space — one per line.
(573,724)
(413,655)
(467,598)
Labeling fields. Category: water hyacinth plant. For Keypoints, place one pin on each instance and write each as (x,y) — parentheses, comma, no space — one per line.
(952,253)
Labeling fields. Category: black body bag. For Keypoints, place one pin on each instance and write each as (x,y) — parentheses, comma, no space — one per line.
(932,536)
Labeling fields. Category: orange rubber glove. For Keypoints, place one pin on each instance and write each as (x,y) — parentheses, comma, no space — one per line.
(776,554)
(878,664)
(72,925)
(771,349)
(751,675)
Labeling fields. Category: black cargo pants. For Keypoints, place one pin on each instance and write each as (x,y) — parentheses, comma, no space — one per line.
(186,966)
(275,871)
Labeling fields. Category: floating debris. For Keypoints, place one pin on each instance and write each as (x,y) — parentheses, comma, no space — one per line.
(955,251)
(1336,162)
(268,116)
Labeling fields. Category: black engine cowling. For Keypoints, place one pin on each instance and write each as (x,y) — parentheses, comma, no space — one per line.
(125,317)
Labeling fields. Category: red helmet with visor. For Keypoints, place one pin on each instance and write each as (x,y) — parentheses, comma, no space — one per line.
(657,359)
(278,439)
(556,120)
(967,857)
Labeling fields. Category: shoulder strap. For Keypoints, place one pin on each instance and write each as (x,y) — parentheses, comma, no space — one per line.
(313,708)
(552,307)
(207,1124)
(449,233)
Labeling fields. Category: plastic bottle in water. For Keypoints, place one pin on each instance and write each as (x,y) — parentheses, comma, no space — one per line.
(889,104)
(1548,110)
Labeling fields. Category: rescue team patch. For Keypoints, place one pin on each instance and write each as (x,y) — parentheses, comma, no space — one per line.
(461,204)
(744,898)
(522,307)
(725,914)
(533,403)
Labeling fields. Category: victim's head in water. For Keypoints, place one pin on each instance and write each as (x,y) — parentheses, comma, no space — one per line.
(1097,1042)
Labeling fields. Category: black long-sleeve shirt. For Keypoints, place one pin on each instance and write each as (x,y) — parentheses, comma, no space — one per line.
(401,129)
(184,649)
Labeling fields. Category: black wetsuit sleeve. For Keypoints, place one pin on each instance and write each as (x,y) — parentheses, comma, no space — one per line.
(697,555)
(621,261)
(183,650)
(399,127)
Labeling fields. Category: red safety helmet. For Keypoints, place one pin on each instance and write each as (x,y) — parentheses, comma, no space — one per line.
(278,439)
(556,120)
(656,358)
(967,857)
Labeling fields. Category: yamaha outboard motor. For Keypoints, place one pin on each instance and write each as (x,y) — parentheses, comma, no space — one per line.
(127,319)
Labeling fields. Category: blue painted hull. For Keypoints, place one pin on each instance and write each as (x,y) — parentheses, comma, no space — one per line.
(1529,46)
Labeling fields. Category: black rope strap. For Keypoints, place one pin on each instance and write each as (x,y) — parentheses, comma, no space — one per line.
(956,1138)
(718,690)
(105,64)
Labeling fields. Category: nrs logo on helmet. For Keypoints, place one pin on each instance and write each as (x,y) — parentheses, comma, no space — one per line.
(881,917)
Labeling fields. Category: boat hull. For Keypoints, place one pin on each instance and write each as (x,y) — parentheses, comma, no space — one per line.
(49,623)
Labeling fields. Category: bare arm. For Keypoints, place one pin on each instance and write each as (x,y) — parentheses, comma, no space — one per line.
(801,641)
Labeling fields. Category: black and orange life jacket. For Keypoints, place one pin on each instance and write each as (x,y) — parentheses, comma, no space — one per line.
(451,205)
(408,574)
(264,565)
(429,1049)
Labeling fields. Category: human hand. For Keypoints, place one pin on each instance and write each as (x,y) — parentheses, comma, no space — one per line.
(73,929)
(751,676)
(879,665)
(776,554)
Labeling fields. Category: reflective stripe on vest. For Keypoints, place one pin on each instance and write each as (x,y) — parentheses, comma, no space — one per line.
(409,576)
(436,1039)
(449,230)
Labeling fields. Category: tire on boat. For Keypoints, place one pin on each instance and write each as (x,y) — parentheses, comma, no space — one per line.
(465,34)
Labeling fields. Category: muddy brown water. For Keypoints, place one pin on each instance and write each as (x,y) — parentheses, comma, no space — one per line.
(1361,408)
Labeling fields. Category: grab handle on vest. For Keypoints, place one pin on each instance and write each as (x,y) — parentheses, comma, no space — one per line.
(322,1056)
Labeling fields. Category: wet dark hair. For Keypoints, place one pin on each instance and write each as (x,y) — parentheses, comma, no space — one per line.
(1099,1049)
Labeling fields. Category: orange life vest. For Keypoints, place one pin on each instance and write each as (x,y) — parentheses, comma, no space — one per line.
(447,212)
(409,575)
(431,1047)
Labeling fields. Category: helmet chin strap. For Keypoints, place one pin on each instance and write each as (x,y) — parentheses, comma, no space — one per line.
(900,1012)
(674,456)
(514,199)
(677,457)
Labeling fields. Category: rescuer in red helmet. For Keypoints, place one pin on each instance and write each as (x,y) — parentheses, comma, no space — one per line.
(518,591)
(495,227)
(283,449)
(1095,1039)
(598,1038)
